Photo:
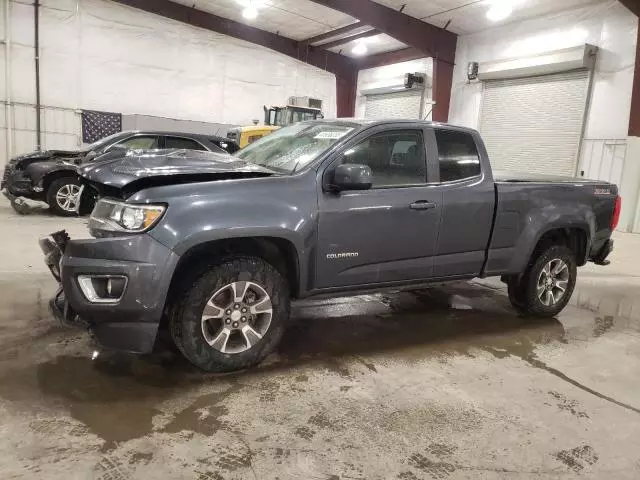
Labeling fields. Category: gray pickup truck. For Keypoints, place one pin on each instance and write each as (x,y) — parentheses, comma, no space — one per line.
(214,248)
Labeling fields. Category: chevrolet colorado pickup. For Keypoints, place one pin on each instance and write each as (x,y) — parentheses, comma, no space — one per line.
(214,248)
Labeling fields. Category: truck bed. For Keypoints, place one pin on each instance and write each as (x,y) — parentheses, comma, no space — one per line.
(518,177)
(530,204)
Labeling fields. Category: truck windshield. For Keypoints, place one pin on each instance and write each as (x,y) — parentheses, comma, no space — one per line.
(292,148)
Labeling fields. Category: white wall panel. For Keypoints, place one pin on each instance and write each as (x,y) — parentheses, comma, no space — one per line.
(607,25)
(603,159)
(60,129)
(391,75)
(96,54)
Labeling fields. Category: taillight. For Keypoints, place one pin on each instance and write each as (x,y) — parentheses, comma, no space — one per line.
(616,213)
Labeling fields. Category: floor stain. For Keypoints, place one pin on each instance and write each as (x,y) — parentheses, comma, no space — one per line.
(322,421)
(602,326)
(407,476)
(204,415)
(435,469)
(441,449)
(571,406)
(140,457)
(305,432)
(369,365)
(234,460)
(111,468)
(525,350)
(577,459)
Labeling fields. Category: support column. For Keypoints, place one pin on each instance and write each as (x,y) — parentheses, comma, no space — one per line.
(346,87)
(442,83)
(630,186)
(634,119)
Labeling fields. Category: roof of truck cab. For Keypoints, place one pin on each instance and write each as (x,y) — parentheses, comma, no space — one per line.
(385,121)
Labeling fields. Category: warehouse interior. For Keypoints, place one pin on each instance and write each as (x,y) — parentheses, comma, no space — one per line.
(446,382)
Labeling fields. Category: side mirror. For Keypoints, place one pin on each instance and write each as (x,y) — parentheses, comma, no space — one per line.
(352,176)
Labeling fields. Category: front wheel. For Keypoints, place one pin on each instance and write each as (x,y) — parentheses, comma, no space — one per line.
(63,196)
(232,316)
(547,285)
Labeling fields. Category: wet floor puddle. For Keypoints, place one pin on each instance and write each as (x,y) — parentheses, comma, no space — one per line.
(118,396)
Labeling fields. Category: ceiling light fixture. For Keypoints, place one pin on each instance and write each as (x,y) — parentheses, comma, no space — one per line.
(499,11)
(360,49)
(250,12)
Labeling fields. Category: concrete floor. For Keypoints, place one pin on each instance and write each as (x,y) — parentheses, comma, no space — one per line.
(444,383)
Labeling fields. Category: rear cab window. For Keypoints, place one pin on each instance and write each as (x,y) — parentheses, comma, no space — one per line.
(458,156)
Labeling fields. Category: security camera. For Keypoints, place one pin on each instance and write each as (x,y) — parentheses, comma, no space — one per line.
(411,79)
(472,70)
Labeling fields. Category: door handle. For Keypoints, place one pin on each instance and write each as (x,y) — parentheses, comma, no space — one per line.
(422,205)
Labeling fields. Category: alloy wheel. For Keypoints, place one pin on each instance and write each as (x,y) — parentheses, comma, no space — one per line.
(67,197)
(553,282)
(236,317)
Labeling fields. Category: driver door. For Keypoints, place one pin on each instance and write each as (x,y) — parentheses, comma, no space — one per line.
(388,233)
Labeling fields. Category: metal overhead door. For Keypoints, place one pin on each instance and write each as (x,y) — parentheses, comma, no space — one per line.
(535,124)
(402,104)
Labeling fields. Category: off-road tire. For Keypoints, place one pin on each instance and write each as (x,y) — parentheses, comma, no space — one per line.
(186,319)
(523,292)
(56,185)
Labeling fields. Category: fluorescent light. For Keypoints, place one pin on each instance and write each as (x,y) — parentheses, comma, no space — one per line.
(359,49)
(250,12)
(499,11)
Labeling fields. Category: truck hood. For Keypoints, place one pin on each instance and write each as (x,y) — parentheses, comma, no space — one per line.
(139,169)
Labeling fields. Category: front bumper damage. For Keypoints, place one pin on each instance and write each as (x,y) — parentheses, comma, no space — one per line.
(131,323)
(17,188)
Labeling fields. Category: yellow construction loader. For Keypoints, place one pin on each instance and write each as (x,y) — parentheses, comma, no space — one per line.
(274,118)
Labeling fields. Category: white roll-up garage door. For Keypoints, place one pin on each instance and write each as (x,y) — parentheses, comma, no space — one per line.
(535,124)
(402,104)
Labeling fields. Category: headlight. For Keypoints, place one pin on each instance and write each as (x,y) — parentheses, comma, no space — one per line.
(125,217)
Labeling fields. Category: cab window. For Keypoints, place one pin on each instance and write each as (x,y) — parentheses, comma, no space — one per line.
(457,155)
(396,158)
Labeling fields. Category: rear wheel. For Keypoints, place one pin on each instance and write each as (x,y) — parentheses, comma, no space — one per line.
(63,196)
(232,316)
(547,285)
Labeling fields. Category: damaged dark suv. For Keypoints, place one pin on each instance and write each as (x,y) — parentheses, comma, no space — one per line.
(51,176)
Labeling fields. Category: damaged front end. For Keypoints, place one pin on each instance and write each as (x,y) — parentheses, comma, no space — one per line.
(24,176)
(53,248)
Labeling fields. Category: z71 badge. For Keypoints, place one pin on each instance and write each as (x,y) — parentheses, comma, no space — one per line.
(602,191)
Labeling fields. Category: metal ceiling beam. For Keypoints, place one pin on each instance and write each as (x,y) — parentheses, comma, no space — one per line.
(342,41)
(330,61)
(333,33)
(431,40)
(388,58)
(633,5)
